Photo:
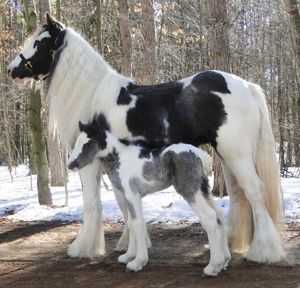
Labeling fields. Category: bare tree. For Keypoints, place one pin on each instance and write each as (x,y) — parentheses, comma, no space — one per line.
(36,124)
(220,60)
(126,43)
(98,25)
(148,31)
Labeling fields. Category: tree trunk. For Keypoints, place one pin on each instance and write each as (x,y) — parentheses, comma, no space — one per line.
(220,60)
(148,32)
(35,121)
(55,161)
(44,6)
(98,25)
(126,43)
(39,147)
(58,12)
(295,17)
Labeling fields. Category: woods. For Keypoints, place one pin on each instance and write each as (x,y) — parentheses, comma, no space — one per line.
(159,41)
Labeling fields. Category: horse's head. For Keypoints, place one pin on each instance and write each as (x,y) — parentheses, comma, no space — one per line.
(90,141)
(37,56)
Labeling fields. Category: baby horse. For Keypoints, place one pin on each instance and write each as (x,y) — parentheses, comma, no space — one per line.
(135,172)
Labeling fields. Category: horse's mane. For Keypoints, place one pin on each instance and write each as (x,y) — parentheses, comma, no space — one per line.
(78,86)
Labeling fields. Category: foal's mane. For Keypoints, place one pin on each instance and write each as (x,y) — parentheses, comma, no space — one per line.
(82,85)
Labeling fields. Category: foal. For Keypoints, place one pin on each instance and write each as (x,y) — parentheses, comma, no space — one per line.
(135,172)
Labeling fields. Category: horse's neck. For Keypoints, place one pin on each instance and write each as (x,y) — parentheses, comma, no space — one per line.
(76,87)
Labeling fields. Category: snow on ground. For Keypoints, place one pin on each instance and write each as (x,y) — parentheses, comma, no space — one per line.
(18,200)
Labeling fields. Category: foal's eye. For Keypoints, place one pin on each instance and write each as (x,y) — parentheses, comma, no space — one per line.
(37,44)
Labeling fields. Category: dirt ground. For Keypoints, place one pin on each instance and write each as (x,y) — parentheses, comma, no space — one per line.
(34,254)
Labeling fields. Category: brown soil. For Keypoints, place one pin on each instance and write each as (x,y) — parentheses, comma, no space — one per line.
(33,254)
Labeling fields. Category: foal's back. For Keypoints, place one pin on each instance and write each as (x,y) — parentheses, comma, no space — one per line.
(148,171)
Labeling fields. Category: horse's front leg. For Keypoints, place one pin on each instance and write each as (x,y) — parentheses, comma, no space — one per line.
(90,241)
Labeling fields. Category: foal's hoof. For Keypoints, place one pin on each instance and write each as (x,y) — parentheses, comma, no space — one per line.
(203,275)
(212,271)
(135,266)
(124,259)
(128,270)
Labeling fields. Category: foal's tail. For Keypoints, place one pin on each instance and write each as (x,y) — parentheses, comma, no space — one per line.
(206,161)
(266,163)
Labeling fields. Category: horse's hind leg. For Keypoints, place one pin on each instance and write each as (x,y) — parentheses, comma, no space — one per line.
(214,227)
(239,222)
(266,245)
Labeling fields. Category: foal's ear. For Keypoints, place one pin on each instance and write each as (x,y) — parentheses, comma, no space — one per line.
(81,126)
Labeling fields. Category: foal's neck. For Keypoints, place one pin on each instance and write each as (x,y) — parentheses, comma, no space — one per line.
(113,146)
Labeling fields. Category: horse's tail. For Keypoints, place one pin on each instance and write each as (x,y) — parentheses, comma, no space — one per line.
(265,158)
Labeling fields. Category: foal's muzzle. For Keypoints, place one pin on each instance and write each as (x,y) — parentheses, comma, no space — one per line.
(74,165)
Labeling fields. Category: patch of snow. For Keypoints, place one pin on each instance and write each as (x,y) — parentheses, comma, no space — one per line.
(18,201)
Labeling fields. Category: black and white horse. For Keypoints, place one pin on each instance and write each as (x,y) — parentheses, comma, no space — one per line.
(135,172)
(210,107)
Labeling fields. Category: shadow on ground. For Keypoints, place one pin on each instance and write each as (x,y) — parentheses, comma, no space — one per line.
(34,255)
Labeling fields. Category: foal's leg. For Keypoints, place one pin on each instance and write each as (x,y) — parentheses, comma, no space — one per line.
(221,222)
(90,241)
(214,227)
(136,258)
(122,244)
(131,250)
(266,245)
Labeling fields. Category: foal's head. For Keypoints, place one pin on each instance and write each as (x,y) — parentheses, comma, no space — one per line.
(91,140)
(37,56)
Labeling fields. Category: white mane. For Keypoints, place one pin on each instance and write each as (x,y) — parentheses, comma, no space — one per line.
(82,85)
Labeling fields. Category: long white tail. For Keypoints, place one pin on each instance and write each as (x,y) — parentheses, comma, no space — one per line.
(266,163)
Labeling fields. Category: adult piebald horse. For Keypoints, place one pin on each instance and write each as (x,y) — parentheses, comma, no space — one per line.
(210,107)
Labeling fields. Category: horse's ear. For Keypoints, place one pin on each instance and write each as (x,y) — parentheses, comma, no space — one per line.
(50,19)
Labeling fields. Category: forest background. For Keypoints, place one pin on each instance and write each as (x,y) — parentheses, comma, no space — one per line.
(153,42)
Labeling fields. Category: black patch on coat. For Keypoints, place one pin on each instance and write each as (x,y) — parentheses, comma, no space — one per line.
(111,163)
(211,81)
(154,103)
(99,126)
(194,114)
(96,130)
(124,141)
(60,46)
(124,97)
(102,122)
(147,153)
(41,63)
